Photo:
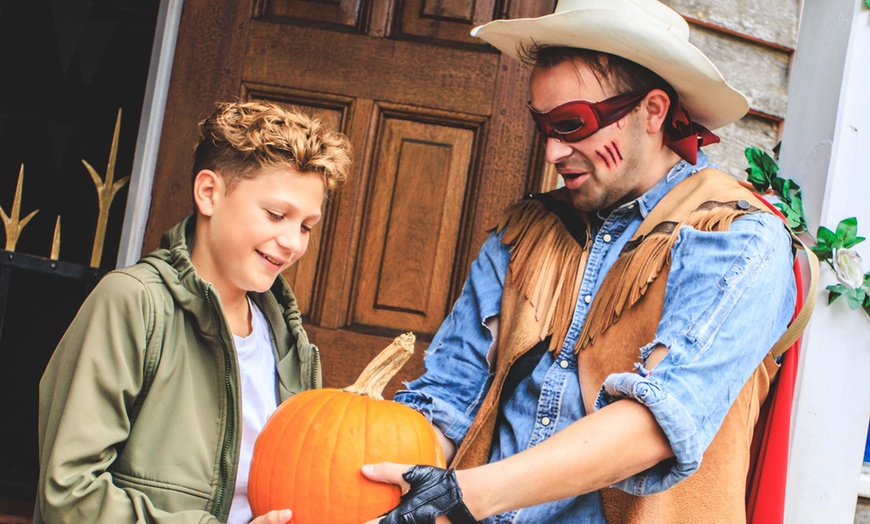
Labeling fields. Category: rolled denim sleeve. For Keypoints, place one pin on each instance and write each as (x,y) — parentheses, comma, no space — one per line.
(729,297)
(458,372)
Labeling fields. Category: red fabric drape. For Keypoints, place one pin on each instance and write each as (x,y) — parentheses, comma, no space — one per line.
(765,489)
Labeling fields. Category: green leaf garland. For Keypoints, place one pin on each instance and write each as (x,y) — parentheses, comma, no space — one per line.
(763,175)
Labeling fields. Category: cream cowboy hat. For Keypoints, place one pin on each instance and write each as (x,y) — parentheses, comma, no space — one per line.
(644,31)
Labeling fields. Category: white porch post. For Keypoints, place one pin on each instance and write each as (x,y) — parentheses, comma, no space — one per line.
(826,149)
(150,126)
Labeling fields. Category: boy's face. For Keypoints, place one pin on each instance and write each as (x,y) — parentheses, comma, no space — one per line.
(247,236)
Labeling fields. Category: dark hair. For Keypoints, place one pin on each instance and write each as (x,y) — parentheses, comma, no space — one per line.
(621,74)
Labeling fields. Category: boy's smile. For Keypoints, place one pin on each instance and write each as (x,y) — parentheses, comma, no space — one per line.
(275,262)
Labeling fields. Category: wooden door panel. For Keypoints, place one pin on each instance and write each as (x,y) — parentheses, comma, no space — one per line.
(448,20)
(441,136)
(341,13)
(414,214)
(373,68)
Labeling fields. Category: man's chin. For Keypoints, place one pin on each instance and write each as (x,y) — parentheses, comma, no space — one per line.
(584,204)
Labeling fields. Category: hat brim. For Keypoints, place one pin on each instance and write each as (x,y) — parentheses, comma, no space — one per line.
(703,91)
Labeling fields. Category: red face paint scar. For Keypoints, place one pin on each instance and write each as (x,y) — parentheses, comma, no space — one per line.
(611,154)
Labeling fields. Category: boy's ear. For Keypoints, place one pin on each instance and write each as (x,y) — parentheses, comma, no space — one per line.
(657,104)
(205,187)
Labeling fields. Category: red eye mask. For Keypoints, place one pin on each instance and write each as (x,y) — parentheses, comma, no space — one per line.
(578,119)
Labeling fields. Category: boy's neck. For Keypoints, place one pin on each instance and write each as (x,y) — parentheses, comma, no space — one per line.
(238,313)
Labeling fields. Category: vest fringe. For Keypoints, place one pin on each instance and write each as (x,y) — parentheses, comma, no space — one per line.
(641,262)
(541,274)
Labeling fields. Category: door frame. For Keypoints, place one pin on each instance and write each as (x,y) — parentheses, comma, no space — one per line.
(150,127)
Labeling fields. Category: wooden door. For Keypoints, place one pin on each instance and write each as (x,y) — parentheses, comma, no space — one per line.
(442,143)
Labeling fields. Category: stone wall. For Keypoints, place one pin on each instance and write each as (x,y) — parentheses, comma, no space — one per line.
(752,43)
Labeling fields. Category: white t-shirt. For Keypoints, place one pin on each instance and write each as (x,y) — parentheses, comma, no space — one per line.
(259,401)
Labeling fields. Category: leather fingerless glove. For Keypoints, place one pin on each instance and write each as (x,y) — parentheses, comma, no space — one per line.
(433,492)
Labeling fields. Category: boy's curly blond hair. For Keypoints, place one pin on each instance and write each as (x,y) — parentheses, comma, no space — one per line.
(241,139)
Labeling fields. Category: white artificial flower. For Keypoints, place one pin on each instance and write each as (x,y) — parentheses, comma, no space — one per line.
(849,268)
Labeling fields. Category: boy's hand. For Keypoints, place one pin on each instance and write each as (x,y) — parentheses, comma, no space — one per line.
(278,516)
(430,495)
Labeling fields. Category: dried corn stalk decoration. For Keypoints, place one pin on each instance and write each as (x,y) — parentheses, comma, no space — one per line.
(106,191)
(55,242)
(12,223)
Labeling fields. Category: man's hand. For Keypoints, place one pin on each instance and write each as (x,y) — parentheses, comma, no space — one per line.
(278,516)
(429,495)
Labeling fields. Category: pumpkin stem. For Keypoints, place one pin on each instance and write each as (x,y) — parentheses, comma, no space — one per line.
(384,367)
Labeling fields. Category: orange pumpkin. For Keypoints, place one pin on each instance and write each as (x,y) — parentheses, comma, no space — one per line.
(309,454)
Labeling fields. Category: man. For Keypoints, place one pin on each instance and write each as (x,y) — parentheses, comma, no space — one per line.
(615,332)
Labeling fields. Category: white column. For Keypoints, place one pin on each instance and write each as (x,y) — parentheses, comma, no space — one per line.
(150,125)
(826,149)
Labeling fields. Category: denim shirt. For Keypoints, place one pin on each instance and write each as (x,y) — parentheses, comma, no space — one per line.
(729,297)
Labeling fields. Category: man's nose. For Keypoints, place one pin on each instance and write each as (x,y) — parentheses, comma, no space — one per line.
(556,150)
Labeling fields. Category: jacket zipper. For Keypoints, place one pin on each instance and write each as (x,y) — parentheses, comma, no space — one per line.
(224,467)
(315,367)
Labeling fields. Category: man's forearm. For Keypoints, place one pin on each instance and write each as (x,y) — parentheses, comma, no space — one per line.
(618,441)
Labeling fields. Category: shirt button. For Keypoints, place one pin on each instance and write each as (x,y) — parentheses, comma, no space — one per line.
(631,206)
(607,238)
(563,364)
(545,421)
(587,299)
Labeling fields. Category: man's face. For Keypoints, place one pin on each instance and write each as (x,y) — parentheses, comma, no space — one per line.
(605,169)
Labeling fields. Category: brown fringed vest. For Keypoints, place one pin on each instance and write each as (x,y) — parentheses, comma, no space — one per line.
(545,272)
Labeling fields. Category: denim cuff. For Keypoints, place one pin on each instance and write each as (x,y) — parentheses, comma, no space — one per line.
(452,422)
(674,419)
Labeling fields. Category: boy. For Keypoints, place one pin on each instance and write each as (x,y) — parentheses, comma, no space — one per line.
(151,404)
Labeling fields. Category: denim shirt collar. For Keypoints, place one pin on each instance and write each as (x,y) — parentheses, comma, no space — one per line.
(677,174)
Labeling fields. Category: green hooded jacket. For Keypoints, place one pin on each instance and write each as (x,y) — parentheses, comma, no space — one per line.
(139,407)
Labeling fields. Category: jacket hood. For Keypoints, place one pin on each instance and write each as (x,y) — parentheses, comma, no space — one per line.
(174,266)
(172,263)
